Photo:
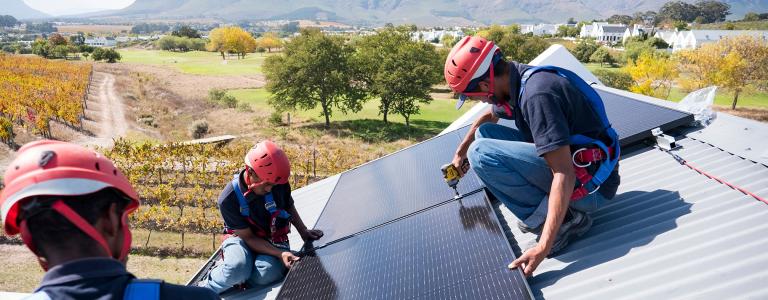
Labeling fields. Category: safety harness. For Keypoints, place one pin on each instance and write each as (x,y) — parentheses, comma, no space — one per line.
(593,161)
(277,234)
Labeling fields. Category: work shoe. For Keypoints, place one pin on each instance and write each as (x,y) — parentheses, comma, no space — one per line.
(576,224)
(525,229)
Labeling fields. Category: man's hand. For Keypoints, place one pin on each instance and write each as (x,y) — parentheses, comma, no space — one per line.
(310,234)
(530,260)
(288,258)
(461,163)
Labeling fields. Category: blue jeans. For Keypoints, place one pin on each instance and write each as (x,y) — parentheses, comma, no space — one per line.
(513,171)
(241,265)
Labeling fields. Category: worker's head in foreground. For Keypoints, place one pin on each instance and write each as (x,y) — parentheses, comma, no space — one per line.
(266,165)
(475,69)
(67,202)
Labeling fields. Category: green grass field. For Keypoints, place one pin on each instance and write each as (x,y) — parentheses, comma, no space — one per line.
(596,66)
(196,62)
(725,98)
(368,123)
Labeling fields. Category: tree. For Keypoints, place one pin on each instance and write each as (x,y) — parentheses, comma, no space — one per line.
(653,74)
(513,44)
(112,56)
(186,31)
(231,40)
(57,40)
(633,50)
(751,16)
(620,19)
(679,11)
(290,28)
(42,48)
(268,41)
(77,39)
(397,70)
(584,50)
(713,11)
(313,70)
(448,40)
(602,55)
(732,63)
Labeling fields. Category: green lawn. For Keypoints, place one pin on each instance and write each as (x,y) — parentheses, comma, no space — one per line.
(367,124)
(596,66)
(725,98)
(196,62)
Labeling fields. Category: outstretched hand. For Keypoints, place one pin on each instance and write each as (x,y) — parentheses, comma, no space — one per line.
(530,260)
(288,258)
(311,234)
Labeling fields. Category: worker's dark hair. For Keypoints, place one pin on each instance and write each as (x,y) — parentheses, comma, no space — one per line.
(50,230)
(500,68)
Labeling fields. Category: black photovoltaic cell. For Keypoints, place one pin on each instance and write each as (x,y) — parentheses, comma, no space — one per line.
(392,187)
(634,119)
(452,251)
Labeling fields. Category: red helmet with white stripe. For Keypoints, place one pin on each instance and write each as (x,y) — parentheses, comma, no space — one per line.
(269,162)
(53,168)
(468,61)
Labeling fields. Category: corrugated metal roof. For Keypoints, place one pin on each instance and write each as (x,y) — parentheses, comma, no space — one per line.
(669,233)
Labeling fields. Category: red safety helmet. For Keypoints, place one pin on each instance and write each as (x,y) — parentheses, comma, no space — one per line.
(53,168)
(469,60)
(269,162)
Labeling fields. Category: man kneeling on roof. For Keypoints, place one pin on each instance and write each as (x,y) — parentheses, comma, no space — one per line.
(71,206)
(559,164)
(258,210)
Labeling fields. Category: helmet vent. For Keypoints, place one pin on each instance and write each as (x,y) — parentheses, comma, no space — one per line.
(263,156)
(465,70)
(474,50)
(267,165)
(97,167)
(45,158)
(449,72)
(454,63)
(114,172)
(277,179)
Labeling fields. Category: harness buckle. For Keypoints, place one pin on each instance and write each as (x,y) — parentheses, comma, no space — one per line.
(573,158)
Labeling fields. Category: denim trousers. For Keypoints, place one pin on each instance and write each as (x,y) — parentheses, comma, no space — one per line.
(513,172)
(241,265)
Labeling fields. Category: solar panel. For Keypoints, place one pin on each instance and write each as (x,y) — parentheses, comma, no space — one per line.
(452,251)
(634,119)
(391,187)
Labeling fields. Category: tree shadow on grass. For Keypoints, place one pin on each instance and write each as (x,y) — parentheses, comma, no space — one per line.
(373,131)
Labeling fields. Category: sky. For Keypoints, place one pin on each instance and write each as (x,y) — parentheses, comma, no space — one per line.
(69,7)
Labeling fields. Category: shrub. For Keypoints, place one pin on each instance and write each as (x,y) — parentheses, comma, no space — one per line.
(198,129)
(615,79)
(215,95)
(229,101)
(276,118)
(244,107)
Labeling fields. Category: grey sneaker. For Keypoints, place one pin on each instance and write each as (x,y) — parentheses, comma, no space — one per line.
(525,229)
(576,224)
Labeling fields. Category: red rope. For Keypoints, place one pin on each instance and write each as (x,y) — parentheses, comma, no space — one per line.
(702,172)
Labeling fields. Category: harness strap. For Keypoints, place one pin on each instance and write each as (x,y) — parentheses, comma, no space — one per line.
(143,289)
(277,235)
(588,183)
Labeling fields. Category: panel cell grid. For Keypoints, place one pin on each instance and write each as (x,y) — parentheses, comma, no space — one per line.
(453,251)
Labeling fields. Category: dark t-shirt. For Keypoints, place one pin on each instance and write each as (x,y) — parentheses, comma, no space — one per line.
(552,110)
(229,206)
(104,279)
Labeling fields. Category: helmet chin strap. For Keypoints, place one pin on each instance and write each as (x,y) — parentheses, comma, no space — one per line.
(86,228)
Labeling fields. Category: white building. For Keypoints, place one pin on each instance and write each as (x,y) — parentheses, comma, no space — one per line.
(669,36)
(101,42)
(586,31)
(540,29)
(435,35)
(637,30)
(610,33)
(696,38)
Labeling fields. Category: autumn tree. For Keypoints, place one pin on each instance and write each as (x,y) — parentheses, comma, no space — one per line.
(653,73)
(732,63)
(231,40)
(269,41)
(314,69)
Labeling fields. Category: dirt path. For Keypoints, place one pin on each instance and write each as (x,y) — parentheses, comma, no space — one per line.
(105,113)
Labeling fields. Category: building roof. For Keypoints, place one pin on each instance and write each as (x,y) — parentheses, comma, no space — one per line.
(670,231)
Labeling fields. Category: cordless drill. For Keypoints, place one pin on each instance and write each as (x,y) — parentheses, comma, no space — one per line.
(451,175)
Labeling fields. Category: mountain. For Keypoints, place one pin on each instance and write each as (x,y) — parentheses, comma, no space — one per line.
(421,12)
(20,10)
